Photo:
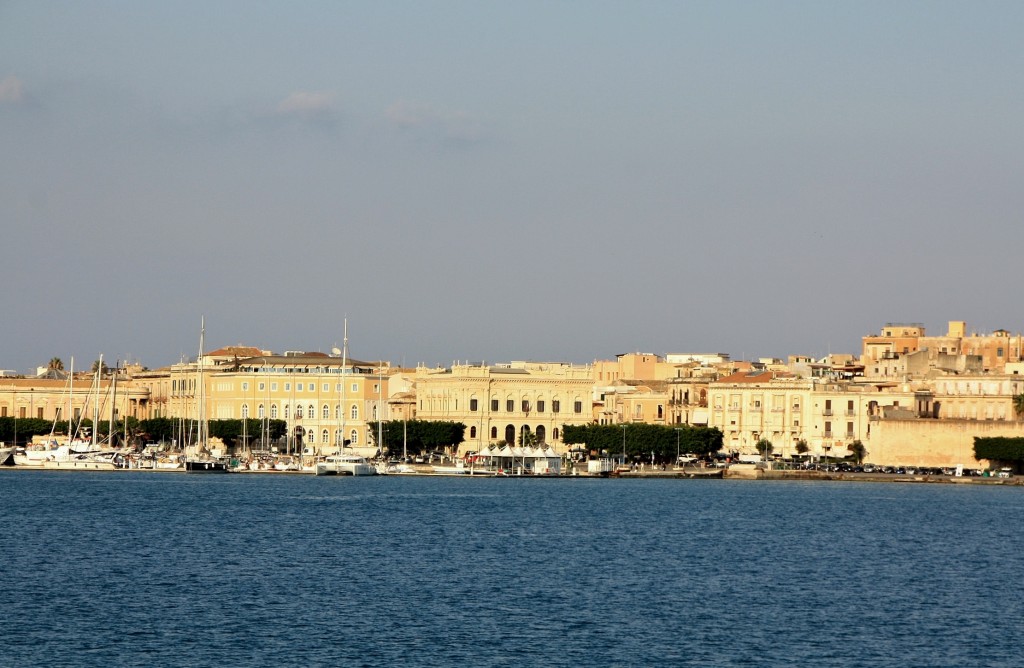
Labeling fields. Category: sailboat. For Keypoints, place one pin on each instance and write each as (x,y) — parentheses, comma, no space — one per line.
(200,461)
(344,463)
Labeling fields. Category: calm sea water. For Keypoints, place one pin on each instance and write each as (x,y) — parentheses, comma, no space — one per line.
(144,569)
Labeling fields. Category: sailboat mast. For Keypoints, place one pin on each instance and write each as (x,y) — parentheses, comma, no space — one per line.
(344,381)
(113,404)
(201,428)
(95,402)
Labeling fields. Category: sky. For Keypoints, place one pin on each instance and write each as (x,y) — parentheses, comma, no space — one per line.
(492,181)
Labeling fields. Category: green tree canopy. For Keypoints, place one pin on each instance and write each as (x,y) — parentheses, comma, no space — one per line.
(999,449)
(418,435)
(643,439)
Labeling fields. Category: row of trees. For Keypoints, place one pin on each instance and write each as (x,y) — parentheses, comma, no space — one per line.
(418,436)
(1001,450)
(641,440)
(15,430)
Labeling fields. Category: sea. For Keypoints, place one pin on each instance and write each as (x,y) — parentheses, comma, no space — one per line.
(163,569)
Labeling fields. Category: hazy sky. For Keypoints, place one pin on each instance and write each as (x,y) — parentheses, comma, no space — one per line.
(559,181)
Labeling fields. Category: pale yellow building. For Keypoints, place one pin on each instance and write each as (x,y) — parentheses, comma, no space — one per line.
(500,403)
(307,390)
(84,397)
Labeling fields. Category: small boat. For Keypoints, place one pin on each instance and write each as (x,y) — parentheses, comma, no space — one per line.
(345,465)
(460,468)
(206,466)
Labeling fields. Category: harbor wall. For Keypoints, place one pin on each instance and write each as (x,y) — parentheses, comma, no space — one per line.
(945,443)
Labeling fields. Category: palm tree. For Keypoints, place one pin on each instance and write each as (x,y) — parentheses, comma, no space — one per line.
(1018,405)
(858,450)
(56,364)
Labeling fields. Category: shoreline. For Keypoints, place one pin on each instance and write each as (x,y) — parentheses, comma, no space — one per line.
(677,474)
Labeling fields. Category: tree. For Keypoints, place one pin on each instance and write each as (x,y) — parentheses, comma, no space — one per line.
(1002,450)
(418,436)
(858,450)
(801,447)
(764,448)
(100,366)
(643,439)
(1018,405)
(56,364)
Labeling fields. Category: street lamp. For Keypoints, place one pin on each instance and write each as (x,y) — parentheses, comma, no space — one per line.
(623,445)
(677,429)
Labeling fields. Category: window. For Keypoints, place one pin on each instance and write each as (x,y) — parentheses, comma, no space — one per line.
(354,412)
(540,406)
(355,387)
(311,411)
(353,437)
(262,386)
(245,411)
(324,436)
(298,387)
(326,412)
(472,405)
(245,387)
(376,388)
(261,412)
(287,387)
(273,411)
(556,406)
(510,405)
(526,406)
(325,388)
(337,411)
(472,432)
(494,405)
(577,407)
(273,387)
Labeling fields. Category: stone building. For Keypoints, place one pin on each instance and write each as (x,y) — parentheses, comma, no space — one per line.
(506,402)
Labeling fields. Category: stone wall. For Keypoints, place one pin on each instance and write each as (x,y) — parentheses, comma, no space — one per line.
(919,442)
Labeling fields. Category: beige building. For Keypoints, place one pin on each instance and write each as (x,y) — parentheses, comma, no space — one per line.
(84,397)
(784,409)
(307,390)
(501,403)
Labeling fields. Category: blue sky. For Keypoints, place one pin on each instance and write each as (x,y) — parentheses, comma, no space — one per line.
(493,181)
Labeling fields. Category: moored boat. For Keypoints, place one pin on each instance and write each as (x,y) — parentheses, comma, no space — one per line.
(345,465)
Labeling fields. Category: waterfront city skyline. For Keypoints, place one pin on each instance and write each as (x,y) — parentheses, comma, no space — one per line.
(479,181)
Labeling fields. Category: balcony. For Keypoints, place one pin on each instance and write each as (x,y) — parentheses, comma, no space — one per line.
(827,412)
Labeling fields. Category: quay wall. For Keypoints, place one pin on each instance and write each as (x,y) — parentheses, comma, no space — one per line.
(943,443)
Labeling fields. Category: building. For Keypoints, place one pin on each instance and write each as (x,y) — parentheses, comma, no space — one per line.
(507,403)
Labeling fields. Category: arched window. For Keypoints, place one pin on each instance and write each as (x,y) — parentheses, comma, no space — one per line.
(245,411)
(541,433)
(510,434)
(554,433)
(326,412)
(273,411)
(337,411)
(324,436)
(472,432)
(311,411)
(353,437)
(354,413)
(286,408)
(494,432)
(261,411)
